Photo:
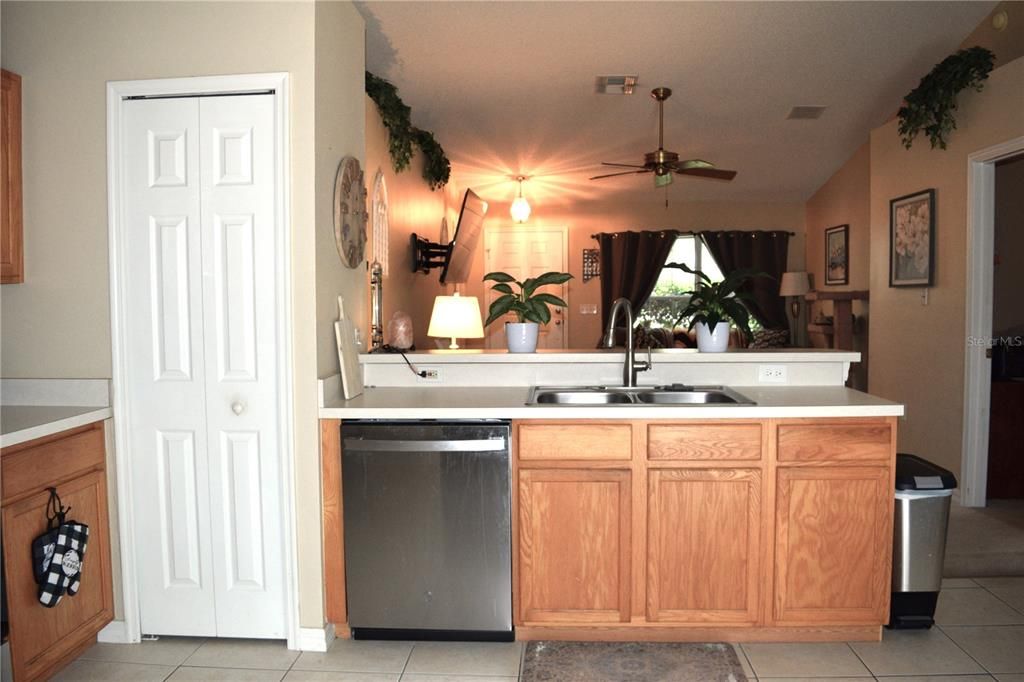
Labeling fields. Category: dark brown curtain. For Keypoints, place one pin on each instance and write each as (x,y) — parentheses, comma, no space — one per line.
(758,250)
(630,265)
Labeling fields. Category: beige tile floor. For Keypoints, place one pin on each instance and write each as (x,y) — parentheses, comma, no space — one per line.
(979,636)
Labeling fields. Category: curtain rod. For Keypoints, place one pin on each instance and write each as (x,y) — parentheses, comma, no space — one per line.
(686,232)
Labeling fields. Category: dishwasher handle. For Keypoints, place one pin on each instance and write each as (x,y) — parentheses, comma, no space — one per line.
(484,445)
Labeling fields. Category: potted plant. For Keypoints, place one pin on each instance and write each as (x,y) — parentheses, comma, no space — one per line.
(530,308)
(713,305)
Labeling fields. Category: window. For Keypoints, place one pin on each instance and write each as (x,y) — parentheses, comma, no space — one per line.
(667,300)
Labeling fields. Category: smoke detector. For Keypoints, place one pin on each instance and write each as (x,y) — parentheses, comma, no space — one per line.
(806,112)
(615,85)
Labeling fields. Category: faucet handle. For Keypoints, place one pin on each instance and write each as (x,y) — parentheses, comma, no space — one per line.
(643,365)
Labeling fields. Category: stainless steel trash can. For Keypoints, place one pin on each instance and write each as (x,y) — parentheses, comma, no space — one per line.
(923,494)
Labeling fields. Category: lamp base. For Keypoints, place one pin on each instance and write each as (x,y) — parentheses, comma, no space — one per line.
(453,345)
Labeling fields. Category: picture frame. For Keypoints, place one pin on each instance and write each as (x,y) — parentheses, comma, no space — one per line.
(912,240)
(837,255)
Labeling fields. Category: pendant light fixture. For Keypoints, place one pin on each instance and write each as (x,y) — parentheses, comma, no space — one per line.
(520,206)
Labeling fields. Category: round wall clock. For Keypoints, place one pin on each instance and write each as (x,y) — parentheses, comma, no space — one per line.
(350,212)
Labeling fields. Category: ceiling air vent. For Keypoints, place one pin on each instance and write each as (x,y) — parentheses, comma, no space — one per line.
(616,85)
(806,112)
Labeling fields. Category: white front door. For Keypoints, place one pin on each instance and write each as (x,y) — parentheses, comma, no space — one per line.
(528,252)
(202,360)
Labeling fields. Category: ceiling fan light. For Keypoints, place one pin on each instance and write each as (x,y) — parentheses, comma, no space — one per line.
(662,180)
(520,210)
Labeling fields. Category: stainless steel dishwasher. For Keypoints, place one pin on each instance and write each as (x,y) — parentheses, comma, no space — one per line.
(428,529)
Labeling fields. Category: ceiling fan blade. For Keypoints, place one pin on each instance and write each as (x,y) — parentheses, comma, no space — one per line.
(621,165)
(714,173)
(612,175)
(693,163)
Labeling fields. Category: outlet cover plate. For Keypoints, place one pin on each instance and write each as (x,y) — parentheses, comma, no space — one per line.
(772,374)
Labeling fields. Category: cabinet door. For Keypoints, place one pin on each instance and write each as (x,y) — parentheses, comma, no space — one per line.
(703,545)
(41,637)
(833,545)
(574,546)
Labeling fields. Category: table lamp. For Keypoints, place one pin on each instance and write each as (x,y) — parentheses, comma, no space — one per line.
(794,285)
(456,317)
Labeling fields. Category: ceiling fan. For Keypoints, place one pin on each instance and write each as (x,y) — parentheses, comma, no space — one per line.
(664,163)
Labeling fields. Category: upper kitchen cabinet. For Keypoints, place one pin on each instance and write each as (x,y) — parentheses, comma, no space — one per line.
(12,270)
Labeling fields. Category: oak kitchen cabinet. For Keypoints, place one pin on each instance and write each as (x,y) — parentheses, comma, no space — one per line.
(741,529)
(12,269)
(44,639)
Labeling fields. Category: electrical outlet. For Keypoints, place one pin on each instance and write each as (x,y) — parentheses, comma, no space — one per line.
(588,309)
(432,374)
(771,374)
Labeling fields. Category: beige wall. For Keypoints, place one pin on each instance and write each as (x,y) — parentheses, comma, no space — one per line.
(917,351)
(339,132)
(1008,276)
(412,207)
(586,218)
(1007,44)
(57,324)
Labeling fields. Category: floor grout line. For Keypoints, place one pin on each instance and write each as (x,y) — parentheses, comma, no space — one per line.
(1011,606)
(965,652)
(862,662)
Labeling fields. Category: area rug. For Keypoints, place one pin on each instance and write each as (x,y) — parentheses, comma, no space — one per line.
(545,661)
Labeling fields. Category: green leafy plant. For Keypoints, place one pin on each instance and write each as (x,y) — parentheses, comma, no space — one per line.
(716,302)
(929,107)
(402,134)
(527,305)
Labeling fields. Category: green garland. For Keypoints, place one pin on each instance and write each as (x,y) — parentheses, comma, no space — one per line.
(402,134)
(930,106)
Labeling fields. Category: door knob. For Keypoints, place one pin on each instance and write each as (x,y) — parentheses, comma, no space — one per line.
(238,408)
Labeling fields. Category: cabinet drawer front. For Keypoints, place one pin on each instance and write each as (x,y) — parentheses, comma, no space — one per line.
(704,441)
(574,441)
(836,442)
(41,463)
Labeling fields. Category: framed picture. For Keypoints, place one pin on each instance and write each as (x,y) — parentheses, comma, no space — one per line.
(837,255)
(912,240)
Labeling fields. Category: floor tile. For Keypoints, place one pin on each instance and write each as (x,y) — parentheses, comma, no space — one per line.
(358,656)
(466,658)
(338,676)
(260,654)
(915,652)
(1002,581)
(862,678)
(1000,649)
(81,670)
(957,583)
(974,606)
(225,674)
(1009,590)
(938,678)
(804,660)
(164,651)
(747,670)
(420,677)
(1011,677)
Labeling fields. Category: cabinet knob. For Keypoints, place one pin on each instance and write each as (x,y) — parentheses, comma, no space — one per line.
(238,408)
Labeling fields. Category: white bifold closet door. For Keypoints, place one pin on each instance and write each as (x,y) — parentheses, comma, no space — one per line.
(200,247)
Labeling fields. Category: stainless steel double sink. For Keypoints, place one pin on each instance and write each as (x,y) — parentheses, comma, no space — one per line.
(676,394)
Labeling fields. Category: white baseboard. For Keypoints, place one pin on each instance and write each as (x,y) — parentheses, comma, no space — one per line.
(316,639)
(115,632)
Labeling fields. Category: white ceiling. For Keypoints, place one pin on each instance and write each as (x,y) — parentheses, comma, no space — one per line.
(508,88)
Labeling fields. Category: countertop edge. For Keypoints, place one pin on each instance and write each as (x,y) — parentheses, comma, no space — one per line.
(49,428)
(605,412)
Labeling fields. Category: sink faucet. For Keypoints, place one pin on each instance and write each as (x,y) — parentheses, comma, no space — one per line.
(632,365)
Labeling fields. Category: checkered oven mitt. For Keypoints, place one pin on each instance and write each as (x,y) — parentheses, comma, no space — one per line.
(58,553)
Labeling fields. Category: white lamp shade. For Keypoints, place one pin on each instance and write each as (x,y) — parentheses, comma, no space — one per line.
(794,284)
(520,210)
(456,317)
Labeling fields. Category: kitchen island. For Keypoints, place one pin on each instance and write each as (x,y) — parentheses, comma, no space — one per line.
(764,522)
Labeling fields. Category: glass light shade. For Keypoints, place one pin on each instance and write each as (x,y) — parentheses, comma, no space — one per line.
(520,210)
(794,284)
(456,317)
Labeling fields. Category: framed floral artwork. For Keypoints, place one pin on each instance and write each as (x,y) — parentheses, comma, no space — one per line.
(837,255)
(912,240)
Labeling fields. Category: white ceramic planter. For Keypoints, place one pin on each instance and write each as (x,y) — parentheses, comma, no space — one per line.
(712,341)
(521,336)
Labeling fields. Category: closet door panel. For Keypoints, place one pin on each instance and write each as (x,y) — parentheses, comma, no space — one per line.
(238,214)
(166,386)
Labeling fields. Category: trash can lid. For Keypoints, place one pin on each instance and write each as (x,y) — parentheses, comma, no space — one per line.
(914,473)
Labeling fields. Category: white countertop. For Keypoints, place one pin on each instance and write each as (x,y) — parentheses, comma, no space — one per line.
(20,423)
(510,403)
